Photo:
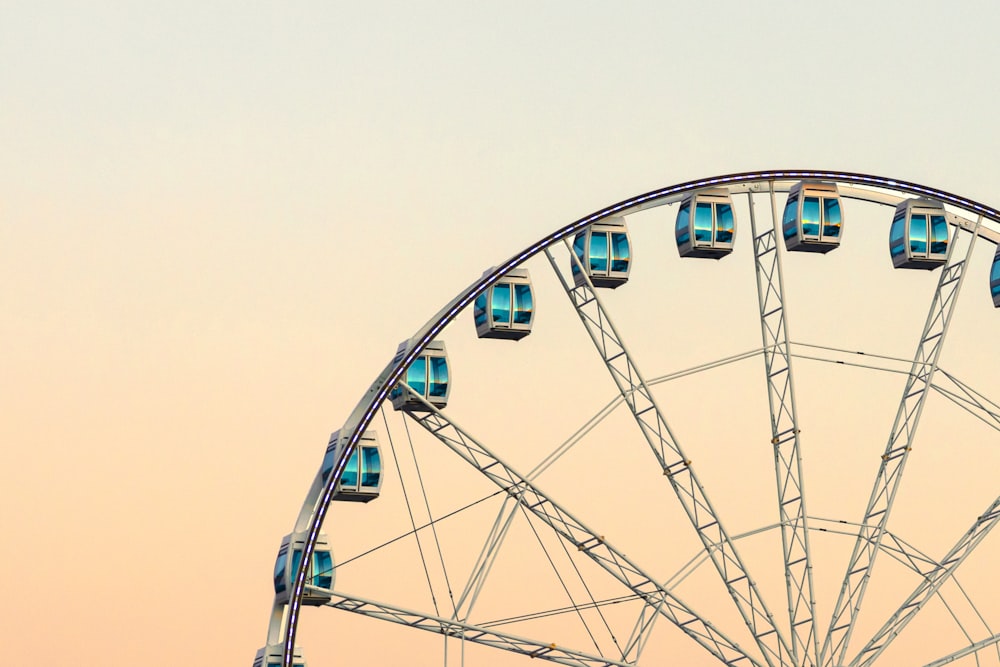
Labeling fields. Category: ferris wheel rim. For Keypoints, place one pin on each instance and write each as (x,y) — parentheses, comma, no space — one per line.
(313,514)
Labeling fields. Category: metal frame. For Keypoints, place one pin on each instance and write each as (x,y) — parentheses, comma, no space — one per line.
(932,582)
(676,466)
(283,626)
(578,534)
(471,633)
(897,450)
(785,437)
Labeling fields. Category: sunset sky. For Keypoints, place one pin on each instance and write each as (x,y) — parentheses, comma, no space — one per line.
(218,220)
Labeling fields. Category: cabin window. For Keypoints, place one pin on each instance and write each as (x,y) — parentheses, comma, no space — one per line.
(683,220)
(416,376)
(831,218)
(619,252)
(599,252)
(479,312)
(349,478)
(501,303)
(322,573)
(279,572)
(939,235)
(810,218)
(703,223)
(523,304)
(438,377)
(371,466)
(789,222)
(725,223)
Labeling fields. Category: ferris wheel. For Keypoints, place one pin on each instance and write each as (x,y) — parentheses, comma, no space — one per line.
(598,452)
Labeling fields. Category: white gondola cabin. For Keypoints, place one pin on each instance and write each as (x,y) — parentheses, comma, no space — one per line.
(270,656)
(995,279)
(706,224)
(427,376)
(813,221)
(918,237)
(319,576)
(361,480)
(506,309)
(604,252)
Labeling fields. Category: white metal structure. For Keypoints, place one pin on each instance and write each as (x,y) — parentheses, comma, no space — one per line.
(728,589)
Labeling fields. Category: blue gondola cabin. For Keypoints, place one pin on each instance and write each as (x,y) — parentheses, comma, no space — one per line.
(506,309)
(995,279)
(706,224)
(361,480)
(319,576)
(604,253)
(427,377)
(813,221)
(918,237)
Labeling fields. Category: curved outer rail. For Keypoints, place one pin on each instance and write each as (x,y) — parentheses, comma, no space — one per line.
(284,622)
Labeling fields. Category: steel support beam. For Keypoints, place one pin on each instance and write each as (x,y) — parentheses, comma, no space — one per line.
(893,460)
(968,650)
(785,437)
(675,465)
(933,581)
(590,543)
(471,633)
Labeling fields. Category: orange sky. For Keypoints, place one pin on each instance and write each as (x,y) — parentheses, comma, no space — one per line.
(216,224)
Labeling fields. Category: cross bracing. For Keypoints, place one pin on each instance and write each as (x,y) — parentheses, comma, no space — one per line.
(854,186)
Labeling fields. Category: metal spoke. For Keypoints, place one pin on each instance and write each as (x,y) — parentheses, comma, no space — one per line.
(785,438)
(933,580)
(677,468)
(961,653)
(972,401)
(590,543)
(471,633)
(484,563)
(893,461)
(641,632)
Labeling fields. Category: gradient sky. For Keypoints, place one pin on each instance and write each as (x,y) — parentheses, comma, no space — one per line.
(217,220)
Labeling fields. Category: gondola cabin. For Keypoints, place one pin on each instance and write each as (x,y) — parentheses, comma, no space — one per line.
(507,308)
(813,221)
(918,237)
(270,656)
(995,279)
(706,224)
(361,480)
(319,576)
(427,376)
(604,253)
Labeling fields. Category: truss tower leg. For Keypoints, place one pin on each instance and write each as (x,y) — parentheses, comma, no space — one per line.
(893,462)
(675,465)
(932,582)
(785,438)
(580,536)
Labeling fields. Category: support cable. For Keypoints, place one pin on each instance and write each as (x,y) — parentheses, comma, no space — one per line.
(576,608)
(409,510)
(547,613)
(430,517)
(450,628)
(563,523)
(486,558)
(590,595)
(677,469)
(419,528)
(896,454)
